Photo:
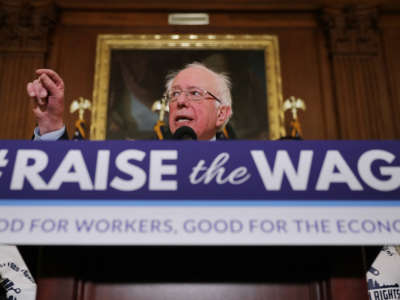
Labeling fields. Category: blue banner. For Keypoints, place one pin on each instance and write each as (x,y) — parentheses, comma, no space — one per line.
(200,193)
(246,170)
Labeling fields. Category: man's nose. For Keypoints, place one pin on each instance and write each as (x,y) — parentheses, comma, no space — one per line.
(182,99)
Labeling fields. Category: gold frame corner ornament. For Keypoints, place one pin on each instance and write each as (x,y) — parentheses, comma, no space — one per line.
(108,42)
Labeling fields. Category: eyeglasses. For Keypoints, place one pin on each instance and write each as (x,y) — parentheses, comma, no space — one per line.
(192,94)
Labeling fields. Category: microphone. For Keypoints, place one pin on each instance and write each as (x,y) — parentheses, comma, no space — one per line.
(184,133)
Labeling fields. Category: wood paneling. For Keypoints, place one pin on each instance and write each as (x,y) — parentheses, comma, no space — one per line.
(200,291)
(221,20)
(329,109)
(362,100)
(347,274)
(300,68)
(207,5)
(16,70)
(57,288)
(362,95)
(391,66)
(24,28)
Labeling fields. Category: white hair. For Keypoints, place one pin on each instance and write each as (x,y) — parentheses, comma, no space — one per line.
(223,84)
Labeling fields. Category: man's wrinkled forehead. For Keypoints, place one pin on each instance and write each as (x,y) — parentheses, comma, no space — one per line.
(195,77)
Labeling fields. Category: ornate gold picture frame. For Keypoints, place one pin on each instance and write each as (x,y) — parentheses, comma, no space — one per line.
(130,72)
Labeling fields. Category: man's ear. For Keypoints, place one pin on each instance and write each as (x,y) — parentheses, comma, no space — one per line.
(223,114)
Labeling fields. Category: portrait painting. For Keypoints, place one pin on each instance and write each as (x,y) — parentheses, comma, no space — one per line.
(131,71)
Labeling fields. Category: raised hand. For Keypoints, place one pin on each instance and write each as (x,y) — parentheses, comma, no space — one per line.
(47,93)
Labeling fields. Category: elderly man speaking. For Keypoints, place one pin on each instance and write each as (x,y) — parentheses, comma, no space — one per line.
(198,98)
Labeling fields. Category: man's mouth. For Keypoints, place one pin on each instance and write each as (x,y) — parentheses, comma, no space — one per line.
(182,119)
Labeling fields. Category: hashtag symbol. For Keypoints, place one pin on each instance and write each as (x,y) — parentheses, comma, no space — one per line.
(3,160)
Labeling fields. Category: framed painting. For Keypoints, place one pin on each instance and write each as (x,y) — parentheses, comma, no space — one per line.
(130,76)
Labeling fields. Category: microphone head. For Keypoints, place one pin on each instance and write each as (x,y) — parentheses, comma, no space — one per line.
(184,133)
